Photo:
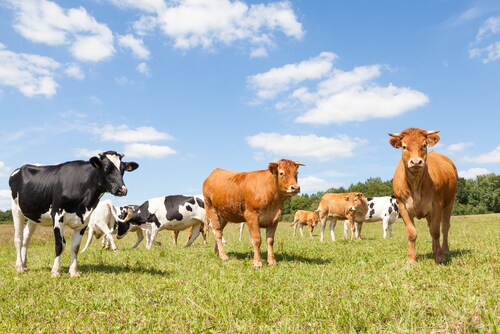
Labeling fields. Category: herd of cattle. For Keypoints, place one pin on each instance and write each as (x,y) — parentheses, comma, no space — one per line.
(69,194)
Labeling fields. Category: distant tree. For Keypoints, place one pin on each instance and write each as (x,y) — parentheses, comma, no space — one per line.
(5,217)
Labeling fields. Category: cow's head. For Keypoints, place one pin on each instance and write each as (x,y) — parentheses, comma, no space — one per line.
(111,169)
(355,201)
(315,218)
(286,175)
(414,143)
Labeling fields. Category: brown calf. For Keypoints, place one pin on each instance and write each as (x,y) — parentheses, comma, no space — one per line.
(302,218)
(425,187)
(344,206)
(255,197)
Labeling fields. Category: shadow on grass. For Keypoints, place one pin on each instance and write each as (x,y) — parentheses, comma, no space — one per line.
(106,268)
(456,253)
(280,257)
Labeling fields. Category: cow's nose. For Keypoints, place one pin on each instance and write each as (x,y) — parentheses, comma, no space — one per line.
(295,188)
(416,162)
(122,191)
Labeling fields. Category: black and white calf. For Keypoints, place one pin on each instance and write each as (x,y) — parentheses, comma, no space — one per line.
(174,213)
(383,209)
(104,221)
(62,194)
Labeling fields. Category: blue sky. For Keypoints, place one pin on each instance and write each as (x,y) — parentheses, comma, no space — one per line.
(185,86)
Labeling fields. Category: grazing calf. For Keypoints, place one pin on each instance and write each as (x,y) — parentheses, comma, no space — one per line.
(425,187)
(344,206)
(308,218)
(62,194)
(255,197)
(383,209)
(175,213)
(103,220)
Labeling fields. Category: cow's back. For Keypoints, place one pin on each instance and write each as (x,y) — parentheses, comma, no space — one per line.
(333,205)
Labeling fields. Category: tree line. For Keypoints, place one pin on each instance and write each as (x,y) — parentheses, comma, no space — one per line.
(474,196)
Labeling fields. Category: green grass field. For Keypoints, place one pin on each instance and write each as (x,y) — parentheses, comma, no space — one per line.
(342,287)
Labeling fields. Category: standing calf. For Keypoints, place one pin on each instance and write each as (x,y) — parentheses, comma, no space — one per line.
(383,209)
(425,187)
(303,217)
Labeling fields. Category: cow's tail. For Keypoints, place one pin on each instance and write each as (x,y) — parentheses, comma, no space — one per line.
(89,238)
(117,218)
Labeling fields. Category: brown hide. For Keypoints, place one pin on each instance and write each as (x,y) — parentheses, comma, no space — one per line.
(255,197)
(343,206)
(425,186)
(306,217)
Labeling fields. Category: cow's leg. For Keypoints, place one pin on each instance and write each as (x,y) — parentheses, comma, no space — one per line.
(252,219)
(218,225)
(310,231)
(109,237)
(357,228)
(18,219)
(390,227)
(271,261)
(175,236)
(140,237)
(195,232)
(242,225)
(154,233)
(333,222)
(435,229)
(301,227)
(445,228)
(385,225)
(190,234)
(294,229)
(322,221)
(75,247)
(346,229)
(60,243)
(411,231)
(27,233)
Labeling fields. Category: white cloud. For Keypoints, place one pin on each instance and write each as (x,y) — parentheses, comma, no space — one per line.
(487,34)
(339,96)
(31,74)
(122,133)
(43,21)
(459,146)
(5,200)
(472,173)
(313,184)
(74,71)
(143,68)
(492,157)
(206,24)
(4,170)
(86,153)
(278,80)
(135,45)
(310,146)
(137,150)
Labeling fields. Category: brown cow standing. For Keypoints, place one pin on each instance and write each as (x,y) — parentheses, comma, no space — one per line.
(425,187)
(255,197)
(344,206)
(303,217)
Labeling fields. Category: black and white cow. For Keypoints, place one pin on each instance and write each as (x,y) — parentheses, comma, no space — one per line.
(174,213)
(383,209)
(62,194)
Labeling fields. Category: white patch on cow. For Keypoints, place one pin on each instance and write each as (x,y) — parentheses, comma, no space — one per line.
(115,159)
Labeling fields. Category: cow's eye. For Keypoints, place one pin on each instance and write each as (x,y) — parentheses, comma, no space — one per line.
(282,173)
(424,145)
(405,147)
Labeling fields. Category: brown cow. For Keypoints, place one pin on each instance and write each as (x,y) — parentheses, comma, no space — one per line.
(344,206)
(255,197)
(302,218)
(425,187)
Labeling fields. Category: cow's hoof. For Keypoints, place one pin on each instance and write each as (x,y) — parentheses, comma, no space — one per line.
(55,274)
(21,269)
(271,263)
(76,274)
(411,261)
(440,259)
(257,264)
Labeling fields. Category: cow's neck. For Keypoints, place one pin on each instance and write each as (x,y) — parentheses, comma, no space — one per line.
(415,182)
(94,194)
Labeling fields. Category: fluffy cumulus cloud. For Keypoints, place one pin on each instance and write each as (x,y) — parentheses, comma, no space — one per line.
(74,71)
(4,170)
(308,146)
(313,184)
(458,147)
(492,157)
(84,153)
(31,74)
(122,133)
(338,96)
(44,21)
(143,68)
(487,44)
(208,23)
(472,173)
(135,45)
(139,150)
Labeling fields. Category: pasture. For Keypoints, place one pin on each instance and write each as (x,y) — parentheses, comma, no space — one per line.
(347,286)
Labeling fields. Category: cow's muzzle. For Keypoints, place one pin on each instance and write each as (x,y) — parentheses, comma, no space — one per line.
(121,191)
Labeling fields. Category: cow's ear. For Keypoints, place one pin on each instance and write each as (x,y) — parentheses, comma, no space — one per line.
(346,198)
(130,166)
(432,138)
(395,141)
(273,167)
(95,162)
